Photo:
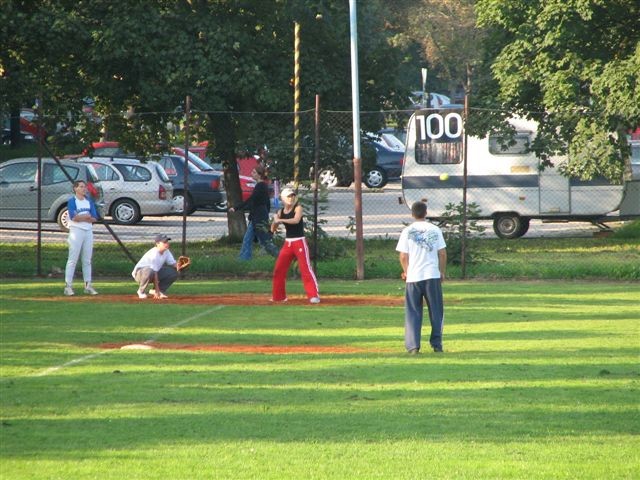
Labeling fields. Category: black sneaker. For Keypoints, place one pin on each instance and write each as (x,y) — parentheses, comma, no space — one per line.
(437,349)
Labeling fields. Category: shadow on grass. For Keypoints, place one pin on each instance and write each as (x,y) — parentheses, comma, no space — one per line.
(181,412)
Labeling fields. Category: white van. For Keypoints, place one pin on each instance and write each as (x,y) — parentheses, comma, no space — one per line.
(506,183)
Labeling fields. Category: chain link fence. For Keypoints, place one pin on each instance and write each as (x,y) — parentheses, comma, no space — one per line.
(146,186)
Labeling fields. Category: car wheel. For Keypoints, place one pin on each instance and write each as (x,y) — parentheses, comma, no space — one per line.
(221,206)
(510,225)
(178,198)
(328,178)
(125,212)
(63,219)
(376,178)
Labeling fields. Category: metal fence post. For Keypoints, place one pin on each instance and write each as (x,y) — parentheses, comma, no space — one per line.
(186,173)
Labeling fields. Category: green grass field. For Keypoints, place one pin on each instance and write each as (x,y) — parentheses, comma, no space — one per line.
(539,380)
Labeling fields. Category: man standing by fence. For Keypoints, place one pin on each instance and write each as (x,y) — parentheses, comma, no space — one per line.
(423,257)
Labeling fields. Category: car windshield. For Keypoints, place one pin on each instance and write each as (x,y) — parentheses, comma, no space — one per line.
(198,162)
(161,173)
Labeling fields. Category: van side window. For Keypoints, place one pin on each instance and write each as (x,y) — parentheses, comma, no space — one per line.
(506,146)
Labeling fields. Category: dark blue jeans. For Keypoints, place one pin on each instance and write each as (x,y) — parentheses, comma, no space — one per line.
(415,292)
(264,237)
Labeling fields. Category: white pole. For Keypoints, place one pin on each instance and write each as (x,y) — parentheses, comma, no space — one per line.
(357,158)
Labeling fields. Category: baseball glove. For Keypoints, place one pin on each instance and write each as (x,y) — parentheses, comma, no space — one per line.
(183,263)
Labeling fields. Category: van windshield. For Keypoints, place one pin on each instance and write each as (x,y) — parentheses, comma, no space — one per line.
(438,137)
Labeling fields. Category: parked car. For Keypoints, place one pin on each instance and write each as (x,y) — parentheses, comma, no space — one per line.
(24,136)
(197,158)
(133,189)
(19,189)
(206,187)
(388,166)
(389,156)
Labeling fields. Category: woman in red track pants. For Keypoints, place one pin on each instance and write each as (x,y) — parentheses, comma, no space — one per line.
(295,246)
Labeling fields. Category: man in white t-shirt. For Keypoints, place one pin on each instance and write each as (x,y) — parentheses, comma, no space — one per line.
(157,265)
(423,257)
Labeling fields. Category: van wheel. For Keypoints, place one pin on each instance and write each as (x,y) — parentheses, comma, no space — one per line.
(125,212)
(376,178)
(510,225)
(63,219)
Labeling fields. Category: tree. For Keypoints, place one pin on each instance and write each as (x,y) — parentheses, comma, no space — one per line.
(231,56)
(571,65)
(446,33)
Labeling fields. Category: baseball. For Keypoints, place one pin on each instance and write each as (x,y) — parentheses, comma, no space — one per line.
(444,177)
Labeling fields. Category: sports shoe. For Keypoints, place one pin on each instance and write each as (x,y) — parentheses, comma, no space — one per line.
(279,301)
(89,290)
(141,294)
(314,300)
(414,351)
(152,291)
(162,295)
(68,291)
(437,349)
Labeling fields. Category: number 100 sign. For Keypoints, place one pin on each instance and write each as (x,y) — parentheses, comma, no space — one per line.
(434,126)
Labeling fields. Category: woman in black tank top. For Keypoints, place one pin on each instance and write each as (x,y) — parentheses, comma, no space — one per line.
(294,230)
(294,246)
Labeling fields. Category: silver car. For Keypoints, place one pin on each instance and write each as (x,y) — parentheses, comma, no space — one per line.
(19,189)
(132,189)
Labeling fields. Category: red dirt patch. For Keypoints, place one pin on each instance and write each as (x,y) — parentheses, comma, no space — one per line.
(237,348)
(248,299)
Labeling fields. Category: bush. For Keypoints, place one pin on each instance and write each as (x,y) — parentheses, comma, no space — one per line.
(453,231)
(630,230)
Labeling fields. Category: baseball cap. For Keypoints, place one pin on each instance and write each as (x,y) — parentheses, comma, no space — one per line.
(161,237)
(287,192)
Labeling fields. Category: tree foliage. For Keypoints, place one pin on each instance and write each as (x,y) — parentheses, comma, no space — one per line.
(446,33)
(139,60)
(571,65)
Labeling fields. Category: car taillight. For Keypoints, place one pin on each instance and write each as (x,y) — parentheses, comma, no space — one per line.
(402,161)
(162,193)
(93,191)
(215,184)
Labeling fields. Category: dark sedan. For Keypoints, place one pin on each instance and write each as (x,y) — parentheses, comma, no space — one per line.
(206,186)
(388,166)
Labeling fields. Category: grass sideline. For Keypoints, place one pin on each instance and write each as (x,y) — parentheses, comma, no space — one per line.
(524,258)
(539,380)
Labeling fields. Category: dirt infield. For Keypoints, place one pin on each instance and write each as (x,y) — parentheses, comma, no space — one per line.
(249,299)
(243,300)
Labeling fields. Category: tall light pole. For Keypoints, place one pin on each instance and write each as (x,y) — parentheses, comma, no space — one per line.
(296,103)
(425,98)
(357,158)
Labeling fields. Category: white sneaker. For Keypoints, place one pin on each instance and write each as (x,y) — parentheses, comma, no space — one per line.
(162,295)
(141,294)
(314,300)
(68,291)
(152,291)
(89,290)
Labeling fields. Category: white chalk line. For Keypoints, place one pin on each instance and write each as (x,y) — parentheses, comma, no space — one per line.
(162,332)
